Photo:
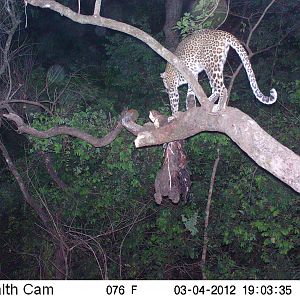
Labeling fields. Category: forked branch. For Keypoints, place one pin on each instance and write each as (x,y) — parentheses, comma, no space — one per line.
(243,130)
(132,31)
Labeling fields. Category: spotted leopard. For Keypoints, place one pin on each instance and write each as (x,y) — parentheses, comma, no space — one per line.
(206,50)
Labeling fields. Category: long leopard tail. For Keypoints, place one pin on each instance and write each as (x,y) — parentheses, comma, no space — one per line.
(236,45)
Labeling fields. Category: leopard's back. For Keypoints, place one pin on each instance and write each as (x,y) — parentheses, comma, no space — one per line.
(207,50)
(202,50)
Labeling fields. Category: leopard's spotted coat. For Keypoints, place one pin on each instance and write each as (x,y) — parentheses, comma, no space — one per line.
(206,50)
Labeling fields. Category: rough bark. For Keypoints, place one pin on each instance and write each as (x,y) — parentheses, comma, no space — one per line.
(243,130)
(173,12)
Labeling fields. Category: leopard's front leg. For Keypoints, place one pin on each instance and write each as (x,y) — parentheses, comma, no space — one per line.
(174,102)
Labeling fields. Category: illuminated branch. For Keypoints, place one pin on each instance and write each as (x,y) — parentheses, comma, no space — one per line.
(243,130)
(133,31)
(97,7)
(60,130)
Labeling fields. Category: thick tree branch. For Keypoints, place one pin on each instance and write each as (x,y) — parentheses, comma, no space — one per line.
(244,131)
(133,31)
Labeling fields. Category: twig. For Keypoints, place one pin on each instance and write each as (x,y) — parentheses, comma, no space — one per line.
(207,210)
(125,236)
(258,21)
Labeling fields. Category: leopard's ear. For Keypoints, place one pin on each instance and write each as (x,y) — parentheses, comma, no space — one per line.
(162,75)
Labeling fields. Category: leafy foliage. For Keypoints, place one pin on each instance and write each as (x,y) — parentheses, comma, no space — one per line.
(204,14)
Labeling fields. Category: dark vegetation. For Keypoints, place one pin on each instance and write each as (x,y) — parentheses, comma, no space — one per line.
(102,198)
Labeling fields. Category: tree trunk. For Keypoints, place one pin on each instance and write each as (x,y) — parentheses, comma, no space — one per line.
(173,13)
(60,261)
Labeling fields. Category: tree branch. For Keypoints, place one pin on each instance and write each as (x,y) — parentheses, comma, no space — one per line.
(57,235)
(260,146)
(52,172)
(258,21)
(29,102)
(244,131)
(97,7)
(207,210)
(14,26)
(55,131)
(251,54)
(133,31)
(29,200)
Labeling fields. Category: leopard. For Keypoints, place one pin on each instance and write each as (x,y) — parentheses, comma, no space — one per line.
(207,50)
